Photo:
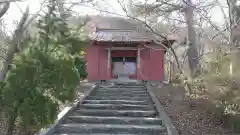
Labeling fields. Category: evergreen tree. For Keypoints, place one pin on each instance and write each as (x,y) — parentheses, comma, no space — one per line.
(42,75)
(81,66)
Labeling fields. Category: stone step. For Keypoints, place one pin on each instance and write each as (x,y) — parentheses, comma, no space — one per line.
(140,102)
(99,134)
(122,91)
(118,98)
(123,109)
(114,120)
(110,128)
(120,94)
(130,85)
(130,113)
(116,106)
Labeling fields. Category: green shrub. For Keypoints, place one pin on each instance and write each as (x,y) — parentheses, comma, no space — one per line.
(81,67)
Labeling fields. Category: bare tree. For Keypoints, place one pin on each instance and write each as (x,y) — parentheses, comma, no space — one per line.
(192,53)
(234,28)
(234,22)
(164,8)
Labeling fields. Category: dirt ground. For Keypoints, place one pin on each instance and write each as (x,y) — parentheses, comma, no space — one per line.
(188,116)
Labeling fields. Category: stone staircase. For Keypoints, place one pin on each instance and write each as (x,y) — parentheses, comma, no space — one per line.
(118,110)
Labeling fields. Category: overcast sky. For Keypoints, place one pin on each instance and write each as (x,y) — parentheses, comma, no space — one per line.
(15,12)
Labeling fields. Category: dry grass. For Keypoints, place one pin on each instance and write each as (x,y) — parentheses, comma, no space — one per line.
(189,116)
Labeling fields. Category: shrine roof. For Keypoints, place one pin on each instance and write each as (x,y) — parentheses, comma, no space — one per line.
(106,28)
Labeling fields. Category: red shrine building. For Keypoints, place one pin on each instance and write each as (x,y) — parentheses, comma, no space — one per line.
(121,46)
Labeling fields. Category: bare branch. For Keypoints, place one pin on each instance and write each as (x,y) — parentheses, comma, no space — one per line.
(157,7)
(17,37)
(4,9)
(159,35)
(9,1)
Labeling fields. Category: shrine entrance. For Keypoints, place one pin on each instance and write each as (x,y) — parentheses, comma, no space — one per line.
(124,63)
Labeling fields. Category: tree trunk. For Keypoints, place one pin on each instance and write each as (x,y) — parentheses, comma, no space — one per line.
(27,131)
(15,44)
(4,9)
(8,61)
(192,52)
(234,39)
(61,7)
